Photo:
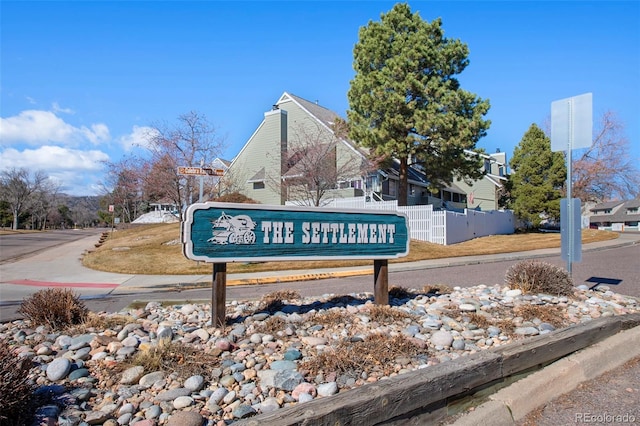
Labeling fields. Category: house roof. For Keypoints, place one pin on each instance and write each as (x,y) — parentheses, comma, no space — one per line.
(324,115)
(606,206)
(620,215)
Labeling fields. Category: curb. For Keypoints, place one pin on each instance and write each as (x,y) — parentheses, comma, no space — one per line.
(516,401)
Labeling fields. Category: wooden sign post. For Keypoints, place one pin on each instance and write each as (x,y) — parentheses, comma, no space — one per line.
(219,233)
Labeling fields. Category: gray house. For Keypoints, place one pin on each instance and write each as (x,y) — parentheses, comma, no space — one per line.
(484,193)
(294,135)
(616,215)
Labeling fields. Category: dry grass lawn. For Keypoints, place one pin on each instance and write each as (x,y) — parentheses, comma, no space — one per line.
(156,250)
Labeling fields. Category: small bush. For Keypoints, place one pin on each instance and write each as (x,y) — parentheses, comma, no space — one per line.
(546,313)
(437,289)
(54,307)
(396,292)
(331,317)
(385,314)
(16,391)
(271,325)
(272,302)
(531,276)
(179,358)
(376,352)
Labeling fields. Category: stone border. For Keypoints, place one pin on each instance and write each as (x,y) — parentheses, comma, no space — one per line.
(423,393)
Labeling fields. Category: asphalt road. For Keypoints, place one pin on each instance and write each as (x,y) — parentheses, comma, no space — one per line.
(614,265)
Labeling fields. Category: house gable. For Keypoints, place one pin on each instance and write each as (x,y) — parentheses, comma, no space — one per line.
(255,171)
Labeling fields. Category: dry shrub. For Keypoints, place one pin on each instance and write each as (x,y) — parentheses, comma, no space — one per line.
(273,302)
(375,352)
(546,313)
(343,300)
(95,321)
(437,289)
(17,403)
(396,292)
(271,325)
(177,358)
(55,307)
(385,314)
(480,320)
(532,276)
(331,317)
(505,325)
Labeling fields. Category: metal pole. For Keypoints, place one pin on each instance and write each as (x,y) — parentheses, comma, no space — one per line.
(569,207)
(201,179)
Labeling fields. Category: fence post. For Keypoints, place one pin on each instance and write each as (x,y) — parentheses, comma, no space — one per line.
(218,295)
(381,281)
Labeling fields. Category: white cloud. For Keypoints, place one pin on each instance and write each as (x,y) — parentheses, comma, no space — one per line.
(76,172)
(57,108)
(37,127)
(139,137)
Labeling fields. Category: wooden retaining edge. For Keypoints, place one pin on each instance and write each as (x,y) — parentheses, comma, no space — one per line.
(416,392)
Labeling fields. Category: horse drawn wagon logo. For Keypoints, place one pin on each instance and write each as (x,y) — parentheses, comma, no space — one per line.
(233,230)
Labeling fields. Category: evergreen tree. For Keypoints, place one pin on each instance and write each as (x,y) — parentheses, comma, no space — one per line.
(406,103)
(537,178)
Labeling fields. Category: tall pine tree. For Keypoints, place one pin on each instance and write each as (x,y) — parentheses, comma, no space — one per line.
(405,102)
(537,178)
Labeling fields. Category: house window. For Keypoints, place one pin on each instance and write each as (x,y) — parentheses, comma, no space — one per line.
(258,185)
(632,210)
(412,190)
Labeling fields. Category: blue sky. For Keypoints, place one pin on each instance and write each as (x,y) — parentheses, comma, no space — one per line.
(80,80)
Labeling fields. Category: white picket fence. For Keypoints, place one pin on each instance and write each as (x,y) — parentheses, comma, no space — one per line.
(442,226)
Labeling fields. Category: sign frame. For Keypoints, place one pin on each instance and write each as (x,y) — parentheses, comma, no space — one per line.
(199,212)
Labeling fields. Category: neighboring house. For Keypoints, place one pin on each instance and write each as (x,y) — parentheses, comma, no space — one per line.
(271,159)
(616,215)
(221,167)
(484,193)
(269,162)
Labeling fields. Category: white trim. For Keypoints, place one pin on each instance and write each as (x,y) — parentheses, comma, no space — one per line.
(289,98)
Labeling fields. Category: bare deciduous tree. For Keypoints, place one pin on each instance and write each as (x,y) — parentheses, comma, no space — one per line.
(124,187)
(313,168)
(192,141)
(605,171)
(17,187)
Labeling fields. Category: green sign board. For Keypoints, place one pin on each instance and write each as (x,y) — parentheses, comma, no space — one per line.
(227,232)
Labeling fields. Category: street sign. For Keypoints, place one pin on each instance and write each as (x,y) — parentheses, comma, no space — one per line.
(229,232)
(200,171)
(214,172)
(572,123)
